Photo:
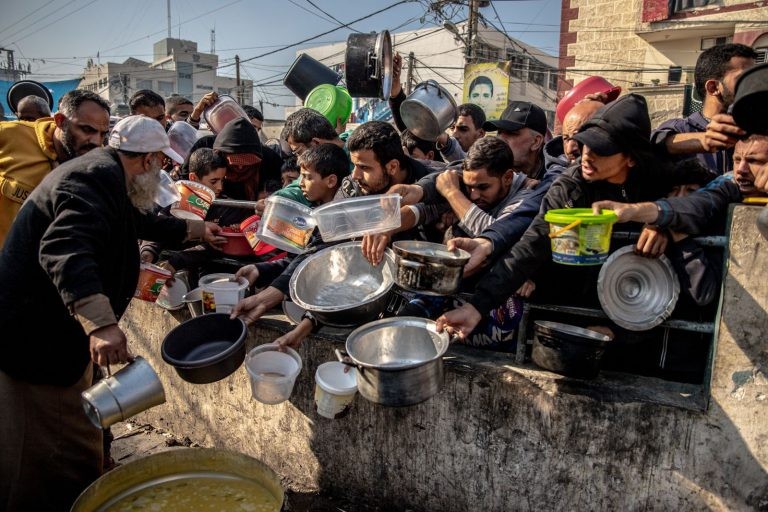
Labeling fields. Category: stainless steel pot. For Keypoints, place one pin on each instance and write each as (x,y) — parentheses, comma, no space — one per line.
(340,287)
(429,268)
(368,65)
(399,360)
(429,110)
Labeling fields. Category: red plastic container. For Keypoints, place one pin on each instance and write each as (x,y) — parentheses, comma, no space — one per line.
(236,245)
(249,227)
(590,85)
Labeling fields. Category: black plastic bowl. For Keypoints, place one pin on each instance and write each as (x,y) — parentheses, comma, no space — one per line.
(568,350)
(206,348)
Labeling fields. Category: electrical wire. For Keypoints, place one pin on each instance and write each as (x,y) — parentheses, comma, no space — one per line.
(34,11)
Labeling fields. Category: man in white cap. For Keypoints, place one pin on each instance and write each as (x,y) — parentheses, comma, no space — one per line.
(68,270)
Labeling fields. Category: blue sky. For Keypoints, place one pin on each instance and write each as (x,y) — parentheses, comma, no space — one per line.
(56,37)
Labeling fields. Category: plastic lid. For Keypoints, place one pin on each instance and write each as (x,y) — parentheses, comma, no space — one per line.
(585,215)
(332,378)
(637,293)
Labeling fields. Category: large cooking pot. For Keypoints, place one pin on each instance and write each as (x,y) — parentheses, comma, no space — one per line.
(568,350)
(399,360)
(368,65)
(750,105)
(429,110)
(340,287)
(429,268)
(206,348)
(307,73)
(183,478)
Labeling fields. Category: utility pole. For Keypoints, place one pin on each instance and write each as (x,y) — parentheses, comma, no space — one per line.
(237,80)
(474,5)
(168,5)
(213,40)
(124,80)
(409,82)
(261,106)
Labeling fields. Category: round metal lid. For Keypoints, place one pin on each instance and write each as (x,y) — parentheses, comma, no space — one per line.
(637,293)
(383,52)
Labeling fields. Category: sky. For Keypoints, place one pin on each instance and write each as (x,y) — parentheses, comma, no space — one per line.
(57,37)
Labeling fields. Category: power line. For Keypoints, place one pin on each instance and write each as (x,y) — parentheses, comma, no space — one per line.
(313,4)
(38,29)
(34,11)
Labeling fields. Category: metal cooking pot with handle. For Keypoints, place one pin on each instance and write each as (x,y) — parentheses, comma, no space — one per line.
(429,110)
(429,268)
(368,65)
(399,360)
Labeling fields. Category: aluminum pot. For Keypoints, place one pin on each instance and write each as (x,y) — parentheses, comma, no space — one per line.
(340,287)
(429,268)
(568,350)
(368,65)
(210,466)
(429,110)
(399,360)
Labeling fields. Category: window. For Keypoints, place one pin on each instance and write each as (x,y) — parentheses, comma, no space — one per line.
(146,84)
(165,87)
(682,5)
(205,87)
(204,66)
(762,54)
(709,42)
(553,79)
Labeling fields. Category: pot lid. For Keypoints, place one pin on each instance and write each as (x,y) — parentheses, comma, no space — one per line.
(637,293)
(383,52)
(24,88)
(573,330)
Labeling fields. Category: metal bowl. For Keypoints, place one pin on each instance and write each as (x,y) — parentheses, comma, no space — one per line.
(637,293)
(340,287)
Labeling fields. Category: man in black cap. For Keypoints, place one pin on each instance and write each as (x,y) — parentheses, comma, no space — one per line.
(616,164)
(523,126)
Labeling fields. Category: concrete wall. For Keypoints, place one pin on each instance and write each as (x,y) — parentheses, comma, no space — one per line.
(500,436)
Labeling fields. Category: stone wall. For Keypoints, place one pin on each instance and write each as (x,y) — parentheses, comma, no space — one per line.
(501,436)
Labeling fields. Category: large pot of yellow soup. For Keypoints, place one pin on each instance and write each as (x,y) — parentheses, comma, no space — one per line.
(194,479)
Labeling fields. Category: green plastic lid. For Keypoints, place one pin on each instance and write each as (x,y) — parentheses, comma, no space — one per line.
(585,215)
(330,100)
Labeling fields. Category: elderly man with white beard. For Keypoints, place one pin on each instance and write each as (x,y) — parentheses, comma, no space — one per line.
(68,269)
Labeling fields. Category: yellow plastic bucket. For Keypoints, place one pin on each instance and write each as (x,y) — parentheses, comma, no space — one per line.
(578,236)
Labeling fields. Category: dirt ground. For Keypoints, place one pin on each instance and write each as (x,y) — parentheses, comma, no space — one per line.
(133,441)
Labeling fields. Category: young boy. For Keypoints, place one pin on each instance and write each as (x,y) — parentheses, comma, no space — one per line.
(322,169)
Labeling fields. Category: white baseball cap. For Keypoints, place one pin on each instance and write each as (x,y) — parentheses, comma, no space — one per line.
(142,134)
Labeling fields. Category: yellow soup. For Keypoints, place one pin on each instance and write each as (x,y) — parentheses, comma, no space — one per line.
(200,494)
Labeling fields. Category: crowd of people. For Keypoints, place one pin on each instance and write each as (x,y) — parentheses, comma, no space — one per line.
(78,215)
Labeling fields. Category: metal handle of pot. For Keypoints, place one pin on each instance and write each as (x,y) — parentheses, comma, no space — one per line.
(235,203)
(344,358)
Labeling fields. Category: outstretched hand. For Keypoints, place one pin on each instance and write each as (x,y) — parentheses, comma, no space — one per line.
(478,248)
(460,322)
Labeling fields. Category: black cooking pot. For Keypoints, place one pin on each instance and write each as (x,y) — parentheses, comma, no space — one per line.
(206,348)
(750,106)
(307,73)
(568,350)
(24,88)
(368,65)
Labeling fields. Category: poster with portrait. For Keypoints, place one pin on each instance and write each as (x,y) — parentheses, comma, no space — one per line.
(487,85)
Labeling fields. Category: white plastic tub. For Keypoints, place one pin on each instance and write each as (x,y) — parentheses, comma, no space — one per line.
(334,389)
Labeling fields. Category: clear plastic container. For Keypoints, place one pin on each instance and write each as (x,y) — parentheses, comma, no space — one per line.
(273,373)
(223,111)
(286,224)
(358,216)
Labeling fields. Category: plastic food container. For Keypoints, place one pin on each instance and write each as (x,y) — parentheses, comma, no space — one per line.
(286,224)
(236,244)
(358,216)
(249,228)
(273,373)
(224,110)
(332,101)
(580,237)
(334,389)
(151,281)
(196,200)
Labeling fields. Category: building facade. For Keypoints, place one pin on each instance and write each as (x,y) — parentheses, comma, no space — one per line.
(650,46)
(177,68)
(441,54)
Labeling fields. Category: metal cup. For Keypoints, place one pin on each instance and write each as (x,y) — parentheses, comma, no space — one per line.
(131,390)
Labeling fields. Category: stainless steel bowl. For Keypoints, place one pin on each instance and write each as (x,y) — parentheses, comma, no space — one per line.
(340,287)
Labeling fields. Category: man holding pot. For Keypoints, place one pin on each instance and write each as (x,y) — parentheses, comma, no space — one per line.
(68,270)
(616,163)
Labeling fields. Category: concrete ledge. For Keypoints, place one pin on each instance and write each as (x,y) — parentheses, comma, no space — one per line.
(505,437)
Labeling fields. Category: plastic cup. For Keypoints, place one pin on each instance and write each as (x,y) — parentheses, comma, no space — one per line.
(273,373)
(131,390)
(151,281)
(166,193)
(196,200)
(334,389)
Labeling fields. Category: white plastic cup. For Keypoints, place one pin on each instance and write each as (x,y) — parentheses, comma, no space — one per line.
(273,373)
(334,389)
(166,193)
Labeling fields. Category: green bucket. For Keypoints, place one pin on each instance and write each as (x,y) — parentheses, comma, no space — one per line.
(330,100)
(578,236)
